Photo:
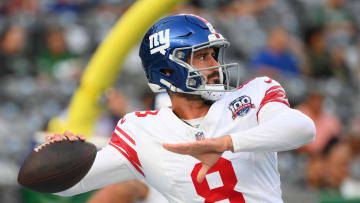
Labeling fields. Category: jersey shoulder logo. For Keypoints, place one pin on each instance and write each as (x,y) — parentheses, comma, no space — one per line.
(159,41)
(241,106)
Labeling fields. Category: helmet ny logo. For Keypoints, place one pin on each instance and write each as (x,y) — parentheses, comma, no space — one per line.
(159,41)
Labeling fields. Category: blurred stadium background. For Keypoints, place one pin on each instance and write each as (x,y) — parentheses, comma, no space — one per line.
(310,46)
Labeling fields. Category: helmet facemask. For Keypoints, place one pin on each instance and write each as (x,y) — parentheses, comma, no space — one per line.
(197,82)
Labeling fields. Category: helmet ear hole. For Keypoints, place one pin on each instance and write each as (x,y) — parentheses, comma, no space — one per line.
(166,71)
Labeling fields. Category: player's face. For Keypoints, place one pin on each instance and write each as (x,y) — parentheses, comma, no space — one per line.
(205,58)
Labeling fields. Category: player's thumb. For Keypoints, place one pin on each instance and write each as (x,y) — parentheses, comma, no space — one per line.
(201,175)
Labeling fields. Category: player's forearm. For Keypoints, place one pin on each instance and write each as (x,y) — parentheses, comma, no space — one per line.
(280,128)
(106,170)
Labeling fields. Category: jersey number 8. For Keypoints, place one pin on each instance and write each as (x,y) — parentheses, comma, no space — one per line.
(228,178)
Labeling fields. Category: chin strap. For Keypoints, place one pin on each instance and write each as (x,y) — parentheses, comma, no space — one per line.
(213,93)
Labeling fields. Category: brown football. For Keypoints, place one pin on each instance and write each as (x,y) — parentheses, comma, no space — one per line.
(56,166)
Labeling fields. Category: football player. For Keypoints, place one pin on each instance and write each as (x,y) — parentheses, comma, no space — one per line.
(232,133)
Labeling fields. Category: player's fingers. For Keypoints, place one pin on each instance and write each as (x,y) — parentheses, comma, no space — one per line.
(57,137)
(177,148)
(70,135)
(201,175)
(49,138)
(191,148)
(81,137)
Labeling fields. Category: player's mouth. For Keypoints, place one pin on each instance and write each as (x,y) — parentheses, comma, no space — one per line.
(213,78)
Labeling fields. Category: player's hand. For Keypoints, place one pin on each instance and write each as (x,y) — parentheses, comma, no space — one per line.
(208,151)
(57,137)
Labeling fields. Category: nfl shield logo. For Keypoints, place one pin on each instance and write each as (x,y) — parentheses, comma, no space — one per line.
(241,106)
(199,136)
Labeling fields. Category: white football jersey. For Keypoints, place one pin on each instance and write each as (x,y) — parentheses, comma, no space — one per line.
(250,177)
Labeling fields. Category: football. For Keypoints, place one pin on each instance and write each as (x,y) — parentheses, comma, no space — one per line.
(56,166)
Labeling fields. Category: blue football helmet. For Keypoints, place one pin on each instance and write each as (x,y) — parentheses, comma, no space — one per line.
(170,42)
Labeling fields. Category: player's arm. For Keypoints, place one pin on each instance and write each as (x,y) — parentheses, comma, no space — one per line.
(280,128)
(108,168)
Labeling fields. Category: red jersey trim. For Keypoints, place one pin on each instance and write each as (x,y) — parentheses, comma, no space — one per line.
(276,87)
(125,149)
(273,94)
(122,120)
(128,158)
(125,135)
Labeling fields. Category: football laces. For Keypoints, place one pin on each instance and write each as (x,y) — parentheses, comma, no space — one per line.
(38,148)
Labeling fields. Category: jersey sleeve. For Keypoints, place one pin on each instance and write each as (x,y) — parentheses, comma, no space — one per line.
(123,140)
(279,127)
(274,92)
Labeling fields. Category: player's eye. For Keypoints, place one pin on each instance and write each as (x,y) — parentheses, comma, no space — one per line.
(201,57)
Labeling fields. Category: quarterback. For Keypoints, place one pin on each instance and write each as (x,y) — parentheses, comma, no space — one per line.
(218,142)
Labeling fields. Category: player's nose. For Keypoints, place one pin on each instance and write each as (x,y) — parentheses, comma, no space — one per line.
(213,62)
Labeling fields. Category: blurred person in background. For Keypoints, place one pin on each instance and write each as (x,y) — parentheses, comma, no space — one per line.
(327,169)
(331,168)
(328,126)
(318,56)
(337,162)
(55,58)
(276,59)
(13,59)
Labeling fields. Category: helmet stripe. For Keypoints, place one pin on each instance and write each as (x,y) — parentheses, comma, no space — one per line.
(211,28)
